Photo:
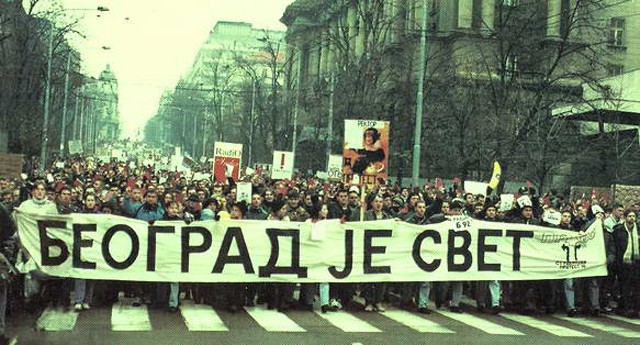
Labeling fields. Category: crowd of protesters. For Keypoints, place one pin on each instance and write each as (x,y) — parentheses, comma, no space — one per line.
(80,185)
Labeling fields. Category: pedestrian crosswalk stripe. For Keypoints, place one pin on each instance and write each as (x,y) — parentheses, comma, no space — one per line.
(479,323)
(415,322)
(624,319)
(125,317)
(273,321)
(623,332)
(199,317)
(544,326)
(348,322)
(56,320)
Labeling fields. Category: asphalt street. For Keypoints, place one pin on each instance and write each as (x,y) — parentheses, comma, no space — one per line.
(200,324)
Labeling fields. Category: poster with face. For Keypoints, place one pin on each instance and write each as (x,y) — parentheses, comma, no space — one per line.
(226,162)
(365,154)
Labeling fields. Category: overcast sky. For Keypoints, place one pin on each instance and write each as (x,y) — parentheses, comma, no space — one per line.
(158,43)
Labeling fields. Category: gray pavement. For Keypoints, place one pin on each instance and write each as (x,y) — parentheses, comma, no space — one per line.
(261,326)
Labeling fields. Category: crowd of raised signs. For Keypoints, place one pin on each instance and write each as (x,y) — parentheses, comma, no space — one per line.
(79,185)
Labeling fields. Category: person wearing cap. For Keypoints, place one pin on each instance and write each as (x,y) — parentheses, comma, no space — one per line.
(354,204)
(455,209)
(489,214)
(626,246)
(295,211)
(526,293)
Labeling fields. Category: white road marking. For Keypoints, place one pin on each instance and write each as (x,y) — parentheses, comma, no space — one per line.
(601,327)
(348,322)
(415,322)
(55,320)
(199,317)
(273,321)
(479,323)
(623,319)
(125,317)
(544,326)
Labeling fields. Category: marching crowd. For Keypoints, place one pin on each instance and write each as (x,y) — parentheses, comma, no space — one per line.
(143,193)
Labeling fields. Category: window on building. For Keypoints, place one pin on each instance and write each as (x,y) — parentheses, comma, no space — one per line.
(616,32)
(476,19)
(511,65)
(614,69)
(432,20)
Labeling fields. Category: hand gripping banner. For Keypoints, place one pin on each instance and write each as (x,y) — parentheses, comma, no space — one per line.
(109,247)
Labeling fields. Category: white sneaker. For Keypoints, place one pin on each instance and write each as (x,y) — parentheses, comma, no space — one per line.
(77,307)
(369,307)
(86,306)
(379,307)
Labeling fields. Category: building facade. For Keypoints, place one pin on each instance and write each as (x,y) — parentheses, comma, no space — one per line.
(495,69)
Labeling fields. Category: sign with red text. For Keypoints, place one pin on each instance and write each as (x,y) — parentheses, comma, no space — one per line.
(282,167)
(226,161)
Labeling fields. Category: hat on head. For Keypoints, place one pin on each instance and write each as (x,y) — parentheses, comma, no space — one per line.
(456,203)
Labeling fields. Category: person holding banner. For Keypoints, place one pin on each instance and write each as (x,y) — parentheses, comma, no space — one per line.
(236,292)
(423,288)
(320,212)
(374,292)
(488,214)
(626,243)
(455,209)
(279,295)
(149,211)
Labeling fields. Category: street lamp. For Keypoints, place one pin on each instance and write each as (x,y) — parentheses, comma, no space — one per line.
(47,89)
(297,102)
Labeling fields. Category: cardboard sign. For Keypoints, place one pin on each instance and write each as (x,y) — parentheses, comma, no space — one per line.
(282,167)
(475,187)
(506,202)
(552,217)
(524,201)
(227,159)
(334,168)
(366,150)
(243,192)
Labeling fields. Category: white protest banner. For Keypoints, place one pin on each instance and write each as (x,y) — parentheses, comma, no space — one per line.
(96,246)
(282,167)
(227,161)
(334,168)
(475,187)
(506,202)
(243,192)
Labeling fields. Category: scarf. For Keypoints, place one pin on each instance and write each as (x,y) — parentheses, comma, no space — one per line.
(631,253)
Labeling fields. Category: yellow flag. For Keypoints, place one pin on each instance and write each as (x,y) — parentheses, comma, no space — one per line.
(495,177)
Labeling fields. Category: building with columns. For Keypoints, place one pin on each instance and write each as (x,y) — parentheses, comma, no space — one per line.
(99,118)
(508,60)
